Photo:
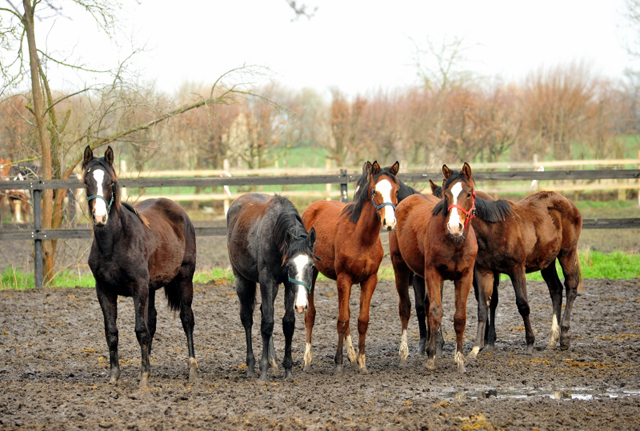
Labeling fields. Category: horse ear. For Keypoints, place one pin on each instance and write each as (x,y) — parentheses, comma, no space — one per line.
(88,156)
(395,168)
(446,172)
(108,155)
(466,170)
(434,187)
(375,168)
(312,238)
(366,167)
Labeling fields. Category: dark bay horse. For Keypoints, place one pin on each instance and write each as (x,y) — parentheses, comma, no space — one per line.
(134,253)
(268,244)
(539,229)
(435,241)
(351,251)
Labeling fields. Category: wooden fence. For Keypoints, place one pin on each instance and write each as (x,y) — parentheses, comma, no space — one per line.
(37,234)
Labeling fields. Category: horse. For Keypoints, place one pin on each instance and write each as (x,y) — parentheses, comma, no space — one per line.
(268,244)
(136,251)
(540,229)
(348,242)
(435,241)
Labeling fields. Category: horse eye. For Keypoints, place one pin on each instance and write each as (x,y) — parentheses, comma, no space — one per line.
(468,195)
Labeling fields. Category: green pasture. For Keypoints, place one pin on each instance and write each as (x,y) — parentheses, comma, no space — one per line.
(617,265)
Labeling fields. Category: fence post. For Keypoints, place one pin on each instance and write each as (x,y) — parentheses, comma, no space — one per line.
(344,194)
(38,276)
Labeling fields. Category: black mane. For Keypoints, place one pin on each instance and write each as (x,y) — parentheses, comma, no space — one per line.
(489,211)
(405,191)
(289,232)
(354,209)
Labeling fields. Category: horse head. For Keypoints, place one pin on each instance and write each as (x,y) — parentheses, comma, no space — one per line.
(101,185)
(383,189)
(297,249)
(459,196)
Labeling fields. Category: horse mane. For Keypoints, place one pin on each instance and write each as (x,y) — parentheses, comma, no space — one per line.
(354,209)
(489,211)
(405,191)
(114,177)
(142,218)
(289,232)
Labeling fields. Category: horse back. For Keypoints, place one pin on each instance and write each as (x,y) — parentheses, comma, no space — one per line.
(551,224)
(173,244)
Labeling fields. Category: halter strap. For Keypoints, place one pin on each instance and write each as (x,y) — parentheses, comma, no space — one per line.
(382,205)
(104,199)
(301,283)
(470,214)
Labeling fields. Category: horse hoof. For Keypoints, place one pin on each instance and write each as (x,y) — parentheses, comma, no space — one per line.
(363,370)
(431,364)
(403,363)
(529,350)
(264,377)
(564,345)
(474,352)
(251,372)
(144,380)
(461,368)
(288,374)
(307,368)
(337,369)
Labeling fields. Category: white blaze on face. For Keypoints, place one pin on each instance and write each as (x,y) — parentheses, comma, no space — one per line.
(389,219)
(300,262)
(99,206)
(454,218)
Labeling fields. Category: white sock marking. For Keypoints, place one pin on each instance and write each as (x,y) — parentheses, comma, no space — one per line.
(351,353)
(404,348)
(308,356)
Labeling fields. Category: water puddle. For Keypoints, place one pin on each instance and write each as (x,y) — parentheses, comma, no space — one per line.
(582,394)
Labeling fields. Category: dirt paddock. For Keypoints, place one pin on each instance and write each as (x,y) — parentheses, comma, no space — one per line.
(54,367)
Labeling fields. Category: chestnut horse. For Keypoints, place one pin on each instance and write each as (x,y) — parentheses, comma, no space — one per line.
(351,251)
(434,239)
(134,254)
(269,245)
(543,227)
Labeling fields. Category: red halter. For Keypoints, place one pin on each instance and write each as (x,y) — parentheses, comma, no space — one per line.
(470,214)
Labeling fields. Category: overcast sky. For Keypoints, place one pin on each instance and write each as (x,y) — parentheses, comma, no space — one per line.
(355,45)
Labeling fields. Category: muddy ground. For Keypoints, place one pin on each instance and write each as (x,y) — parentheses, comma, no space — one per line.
(54,368)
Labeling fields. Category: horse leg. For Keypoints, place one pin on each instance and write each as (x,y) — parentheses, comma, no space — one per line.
(419,292)
(344,283)
(439,336)
(153,317)
(367,288)
(463,287)
(268,289)
(185,286)
(550,276)
(490,333)
(482,286)
(570,264)
(403,278)
(273,360)
(246,290)
(288,327)
(309,321)
(109,305)
(141,307)
(519,281)
(433,281)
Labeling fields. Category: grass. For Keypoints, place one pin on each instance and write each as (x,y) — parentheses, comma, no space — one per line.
(595,264)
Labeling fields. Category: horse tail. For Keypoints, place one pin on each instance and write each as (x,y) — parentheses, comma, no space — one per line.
(181,287)
(172,292)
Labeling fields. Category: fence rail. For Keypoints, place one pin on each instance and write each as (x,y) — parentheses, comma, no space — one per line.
(37,234)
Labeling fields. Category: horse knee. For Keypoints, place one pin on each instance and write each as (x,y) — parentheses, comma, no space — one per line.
(266,327)
(523,308)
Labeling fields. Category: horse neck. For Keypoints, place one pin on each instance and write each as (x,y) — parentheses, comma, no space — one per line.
(368,226)
(107,236)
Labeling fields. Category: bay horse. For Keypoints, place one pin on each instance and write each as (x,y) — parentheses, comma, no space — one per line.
(535,231)
(136,251)
(348,242)
(435,241)
(269,245)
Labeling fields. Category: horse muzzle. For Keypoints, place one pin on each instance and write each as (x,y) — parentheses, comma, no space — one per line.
(100,220)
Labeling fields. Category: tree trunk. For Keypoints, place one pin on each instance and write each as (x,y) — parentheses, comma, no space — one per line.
(43,135)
